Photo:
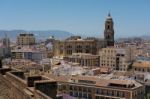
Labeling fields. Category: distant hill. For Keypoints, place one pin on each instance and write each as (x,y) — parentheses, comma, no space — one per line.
(40,35)
(144,37)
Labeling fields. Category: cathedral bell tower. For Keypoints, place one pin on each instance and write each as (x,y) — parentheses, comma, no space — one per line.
(109,31)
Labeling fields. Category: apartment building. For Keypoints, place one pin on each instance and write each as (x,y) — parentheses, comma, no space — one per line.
(29,53)
(117,58)
(26,39)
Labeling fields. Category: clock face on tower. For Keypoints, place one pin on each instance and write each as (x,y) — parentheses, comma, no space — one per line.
(109,31)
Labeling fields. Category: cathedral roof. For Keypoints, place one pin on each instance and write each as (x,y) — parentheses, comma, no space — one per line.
(109,17)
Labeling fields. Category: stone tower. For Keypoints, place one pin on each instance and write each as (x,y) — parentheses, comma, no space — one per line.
(109,31)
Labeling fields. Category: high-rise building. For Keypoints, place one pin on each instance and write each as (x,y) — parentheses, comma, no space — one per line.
(6,41)
(5,47)
(109,31)
(26,39)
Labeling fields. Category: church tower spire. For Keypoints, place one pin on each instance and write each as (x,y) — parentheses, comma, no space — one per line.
(109,14)
(109,31)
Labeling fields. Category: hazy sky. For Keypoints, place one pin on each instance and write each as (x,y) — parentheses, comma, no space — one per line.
(86,17)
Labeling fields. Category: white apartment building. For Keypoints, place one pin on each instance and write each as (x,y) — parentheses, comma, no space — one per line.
(29,53)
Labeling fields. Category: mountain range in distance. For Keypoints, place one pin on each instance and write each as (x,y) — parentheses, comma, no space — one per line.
(44,34)
(40,35)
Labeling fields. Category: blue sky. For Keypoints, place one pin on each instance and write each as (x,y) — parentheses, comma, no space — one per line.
(80,17)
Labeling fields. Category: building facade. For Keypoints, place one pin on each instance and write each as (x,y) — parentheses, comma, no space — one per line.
(69,46)
(28,53)
(116,58)
(26,39)
(5,50)
(94,88)
(83,59)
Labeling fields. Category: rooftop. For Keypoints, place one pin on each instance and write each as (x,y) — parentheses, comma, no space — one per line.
(83,55)
(95,81)
(142,64)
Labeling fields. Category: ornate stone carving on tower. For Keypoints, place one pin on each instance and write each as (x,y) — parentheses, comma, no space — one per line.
(109,31)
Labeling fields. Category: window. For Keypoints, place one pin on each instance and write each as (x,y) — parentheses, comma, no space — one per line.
(87,51)
(76,94)
(75,88)
(89,89)
(97,97)
(80,88)
(84,89)
(71,93)
(71,88)
(98,91)
(80,94)
(84,95)
(89,96)
(108,26)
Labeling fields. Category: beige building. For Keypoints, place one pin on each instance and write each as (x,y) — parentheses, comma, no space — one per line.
(89,87)
(84,59)
(77,45)
(26,39)
(117,58)
(141,66)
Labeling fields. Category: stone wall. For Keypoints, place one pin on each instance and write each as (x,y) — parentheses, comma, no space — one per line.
(14,85)
(4,89)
